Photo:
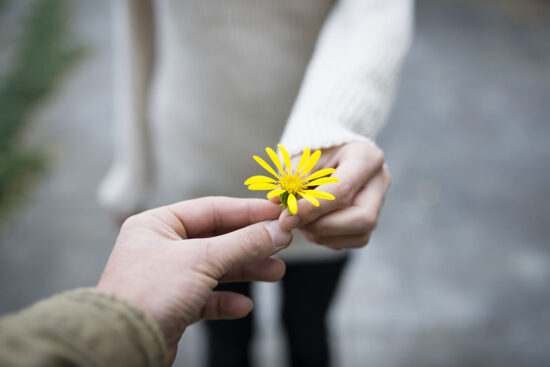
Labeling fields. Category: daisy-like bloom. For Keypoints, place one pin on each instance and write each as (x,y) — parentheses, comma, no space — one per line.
(289,183)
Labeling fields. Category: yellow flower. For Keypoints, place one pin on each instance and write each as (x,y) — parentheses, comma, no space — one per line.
(289,183)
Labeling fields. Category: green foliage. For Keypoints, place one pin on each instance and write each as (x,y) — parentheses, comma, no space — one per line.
(44,53)
(284,199)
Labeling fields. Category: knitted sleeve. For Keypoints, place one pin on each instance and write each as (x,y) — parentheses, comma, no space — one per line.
(349,82)
(84,327)
(126,185)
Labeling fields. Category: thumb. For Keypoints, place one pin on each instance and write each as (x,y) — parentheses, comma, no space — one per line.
(250,244)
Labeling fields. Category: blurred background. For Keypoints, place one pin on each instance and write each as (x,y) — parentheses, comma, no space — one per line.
(458,272)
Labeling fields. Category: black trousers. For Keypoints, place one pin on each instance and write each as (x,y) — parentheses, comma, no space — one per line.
(308,289)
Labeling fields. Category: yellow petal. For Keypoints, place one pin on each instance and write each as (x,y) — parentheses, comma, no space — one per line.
(303,160)
(309,198)
(263,186)
(266,166)
(323,181)
(286,157)
(312,161)
(259,179)
(320,194)
(320,173)
(275,159)
(274,193)
(292,205)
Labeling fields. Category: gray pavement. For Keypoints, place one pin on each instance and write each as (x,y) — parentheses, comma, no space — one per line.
(458,271)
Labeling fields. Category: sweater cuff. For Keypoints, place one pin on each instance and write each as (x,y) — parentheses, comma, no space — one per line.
(122,192)
(317,133)
(89,327)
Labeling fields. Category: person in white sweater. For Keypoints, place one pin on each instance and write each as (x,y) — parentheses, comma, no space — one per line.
(201,86)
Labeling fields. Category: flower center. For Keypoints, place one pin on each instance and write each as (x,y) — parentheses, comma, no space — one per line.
(291,183)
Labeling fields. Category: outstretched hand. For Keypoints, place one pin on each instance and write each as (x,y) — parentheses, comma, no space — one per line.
(168,260)
(347,221)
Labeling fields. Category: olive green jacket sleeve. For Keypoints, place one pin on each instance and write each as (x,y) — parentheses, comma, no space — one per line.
(84,327)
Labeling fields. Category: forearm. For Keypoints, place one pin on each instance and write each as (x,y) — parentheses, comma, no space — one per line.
(80,328)
(126,185)
(349,83)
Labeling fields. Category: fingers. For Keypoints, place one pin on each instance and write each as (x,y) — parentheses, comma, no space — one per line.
(358,219)
(357,165)
(248,245)
(218,215)
(351,221)
(275,200)
(340,242)
(226,305)
(270,270)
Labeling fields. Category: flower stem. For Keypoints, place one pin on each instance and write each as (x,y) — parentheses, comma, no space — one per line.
(284,199)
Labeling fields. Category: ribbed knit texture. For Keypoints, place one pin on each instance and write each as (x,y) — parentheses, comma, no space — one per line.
(227,78)
(349,83)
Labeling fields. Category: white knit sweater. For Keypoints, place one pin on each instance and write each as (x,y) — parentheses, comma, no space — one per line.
(201,86)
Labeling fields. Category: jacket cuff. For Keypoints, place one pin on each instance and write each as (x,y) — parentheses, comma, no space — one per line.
(89,327)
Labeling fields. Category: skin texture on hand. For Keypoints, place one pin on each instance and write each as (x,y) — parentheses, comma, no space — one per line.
(347,221)
(119,218)
(168,260)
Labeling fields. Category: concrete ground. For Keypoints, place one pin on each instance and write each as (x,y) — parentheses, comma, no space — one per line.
(458,271)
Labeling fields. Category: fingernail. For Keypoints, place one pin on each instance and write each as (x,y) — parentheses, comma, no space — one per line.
(246,303)
(289,222)
(279,237)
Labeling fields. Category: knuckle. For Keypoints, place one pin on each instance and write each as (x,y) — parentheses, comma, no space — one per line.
(206,261)
(312,237)
(320,227)
(306,212)
(216,215)
(344,195)
(364,240)
(377,155)
(358,242)
(368,220)
(251,241)
(319,240)
(131,222)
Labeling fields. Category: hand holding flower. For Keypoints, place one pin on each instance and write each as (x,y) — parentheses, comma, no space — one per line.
(348,221)
(355,195)
(168,260)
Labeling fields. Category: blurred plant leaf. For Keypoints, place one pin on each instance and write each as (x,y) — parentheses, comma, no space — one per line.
(45,52)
